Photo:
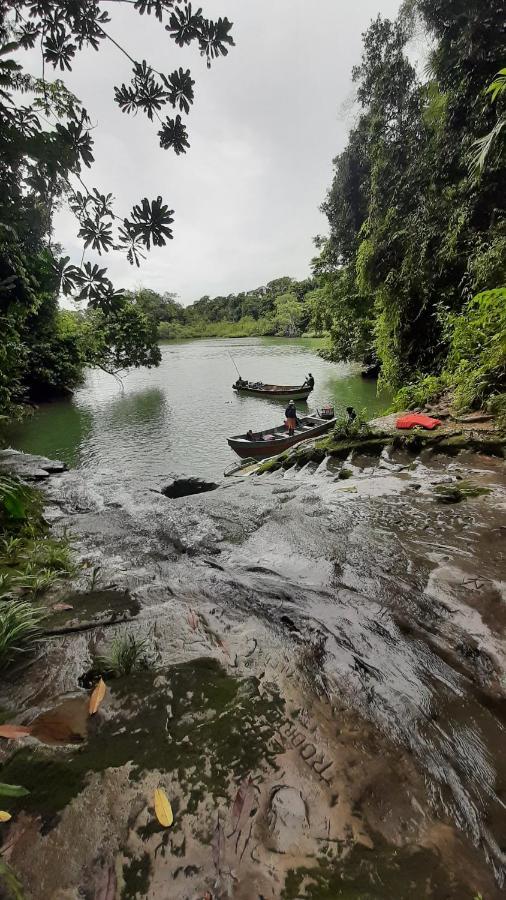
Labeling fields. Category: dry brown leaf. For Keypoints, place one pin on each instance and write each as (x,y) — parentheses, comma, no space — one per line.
(163,808)
(12,732)
(4,816)
(61,607)
(97,697)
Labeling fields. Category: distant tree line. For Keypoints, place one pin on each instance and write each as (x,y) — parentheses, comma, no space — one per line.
(283,307)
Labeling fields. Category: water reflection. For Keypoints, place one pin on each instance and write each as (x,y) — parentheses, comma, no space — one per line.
(59,430)
(145,409)
(176,419)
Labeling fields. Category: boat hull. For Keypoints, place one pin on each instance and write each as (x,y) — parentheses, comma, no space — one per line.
(296,393)
(263,449)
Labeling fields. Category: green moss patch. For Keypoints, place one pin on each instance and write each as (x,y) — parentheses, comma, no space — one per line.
(200,718)
(387,872)
(458,491)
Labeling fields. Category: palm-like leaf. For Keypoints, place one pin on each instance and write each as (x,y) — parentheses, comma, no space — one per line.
(483,145)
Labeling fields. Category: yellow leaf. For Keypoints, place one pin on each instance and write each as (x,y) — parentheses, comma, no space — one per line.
(97,697)
(163,808)
(4,816)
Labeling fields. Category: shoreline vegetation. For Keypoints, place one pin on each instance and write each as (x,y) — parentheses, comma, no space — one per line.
(410,278)
(282,308)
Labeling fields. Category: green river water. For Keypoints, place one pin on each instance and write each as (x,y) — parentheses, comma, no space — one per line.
(176,418)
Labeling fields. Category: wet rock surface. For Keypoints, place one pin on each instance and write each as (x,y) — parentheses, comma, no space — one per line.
(325,706)
(30,468)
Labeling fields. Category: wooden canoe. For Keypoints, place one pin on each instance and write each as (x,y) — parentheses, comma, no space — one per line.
(308,427)
(280,391)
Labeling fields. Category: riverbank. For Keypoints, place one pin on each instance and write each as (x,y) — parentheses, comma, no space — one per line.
(168,331)
(176,418)
(322,697)
(478,432)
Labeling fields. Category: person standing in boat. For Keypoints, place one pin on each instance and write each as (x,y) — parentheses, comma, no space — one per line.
(291,418)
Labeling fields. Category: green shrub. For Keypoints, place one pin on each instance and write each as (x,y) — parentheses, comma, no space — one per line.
(475,368)
(13,497)
(497,406)
(477,358)
(426,390)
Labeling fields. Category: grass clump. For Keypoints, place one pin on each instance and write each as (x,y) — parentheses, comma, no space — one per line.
(126,654)
(30,563)
(20,622)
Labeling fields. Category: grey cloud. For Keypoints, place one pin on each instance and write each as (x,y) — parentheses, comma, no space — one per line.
(263,131)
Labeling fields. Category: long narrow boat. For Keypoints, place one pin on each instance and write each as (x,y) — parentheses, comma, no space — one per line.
(280,391)
(274,440)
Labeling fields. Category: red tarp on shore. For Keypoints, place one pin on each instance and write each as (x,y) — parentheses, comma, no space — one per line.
(417,420)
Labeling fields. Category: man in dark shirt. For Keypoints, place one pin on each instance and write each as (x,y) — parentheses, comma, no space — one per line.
(291,418)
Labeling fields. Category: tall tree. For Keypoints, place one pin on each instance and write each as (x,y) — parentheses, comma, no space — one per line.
(46,146)
(413,233)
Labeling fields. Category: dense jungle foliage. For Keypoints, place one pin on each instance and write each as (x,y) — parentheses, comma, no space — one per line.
(415,262)
(282,307)
(413,270)
(46,147)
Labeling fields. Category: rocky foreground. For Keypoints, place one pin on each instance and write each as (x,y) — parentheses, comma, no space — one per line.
(324,701)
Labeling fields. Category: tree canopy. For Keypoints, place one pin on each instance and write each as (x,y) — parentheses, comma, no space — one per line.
(417,224)
(46,151)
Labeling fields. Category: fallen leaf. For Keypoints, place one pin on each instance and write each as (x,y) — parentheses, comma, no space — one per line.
(64,724)
(163,808)
(218,845)
(13,732)
(97,697)
(62,607)
(12,790)
(4,816)
(243,801)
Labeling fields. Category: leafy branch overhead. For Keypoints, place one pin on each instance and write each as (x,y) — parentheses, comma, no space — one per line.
(48,143)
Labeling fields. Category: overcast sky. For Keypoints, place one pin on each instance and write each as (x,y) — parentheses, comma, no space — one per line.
(266,123)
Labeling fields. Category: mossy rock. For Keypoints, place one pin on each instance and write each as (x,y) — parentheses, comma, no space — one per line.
(456,492)
(492,446)
(341,449)
(274,464)
(388,872)
(344,474)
